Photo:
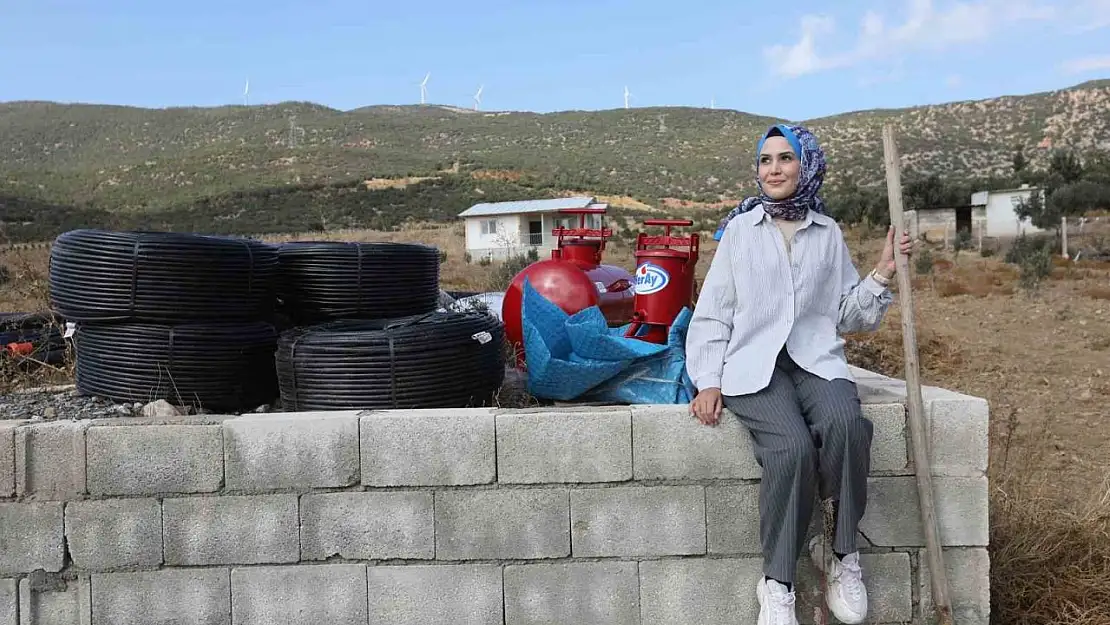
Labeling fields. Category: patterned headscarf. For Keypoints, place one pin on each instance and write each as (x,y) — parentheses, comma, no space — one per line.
(810,178)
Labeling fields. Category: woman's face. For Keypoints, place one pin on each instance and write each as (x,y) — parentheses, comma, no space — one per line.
(779,168)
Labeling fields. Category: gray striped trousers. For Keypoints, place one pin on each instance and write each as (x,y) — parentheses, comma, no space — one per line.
(810,437)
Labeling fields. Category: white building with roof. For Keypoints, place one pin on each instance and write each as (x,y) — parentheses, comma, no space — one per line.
(498,230)
(999,207)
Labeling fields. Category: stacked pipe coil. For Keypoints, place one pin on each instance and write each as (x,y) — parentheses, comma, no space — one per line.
(174,316)
(326,281)
(212,365)
(435,360)
(96,275)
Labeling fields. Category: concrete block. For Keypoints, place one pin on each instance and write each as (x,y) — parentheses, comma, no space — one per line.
(53,600)
(502,524)
(31,537)
(583,593)
(7,462)
(261,529)
(570,446)
(893,517)
(9,602)
(699,591)
(368,526)
(968,572)
(888,577)
(299,595)
(889,444)
(732,519)
(669,444)
(113,534)
(638,521)
(958,436)
(264,453)
(155,459)
(180,596)
(442,447)
(417,595)
(50,460)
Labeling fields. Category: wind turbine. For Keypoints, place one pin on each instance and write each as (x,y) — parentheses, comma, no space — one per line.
(247,92)
(712,103)
(627,95)
(478,97)
(424,87)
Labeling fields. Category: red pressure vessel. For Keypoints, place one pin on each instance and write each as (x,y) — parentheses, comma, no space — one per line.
(664,280)
(562,282)
(573,279)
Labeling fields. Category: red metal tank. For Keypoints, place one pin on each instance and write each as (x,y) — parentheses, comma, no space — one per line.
(664,280)
(573,278)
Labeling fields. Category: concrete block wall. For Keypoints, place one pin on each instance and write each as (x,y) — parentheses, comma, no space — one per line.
(609,515)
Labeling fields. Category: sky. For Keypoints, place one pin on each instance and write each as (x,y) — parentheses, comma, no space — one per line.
(796,60)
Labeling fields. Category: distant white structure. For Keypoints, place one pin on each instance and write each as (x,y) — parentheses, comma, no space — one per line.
(627,96)
(498,230)
(999,207)
(424,88)
(478,97)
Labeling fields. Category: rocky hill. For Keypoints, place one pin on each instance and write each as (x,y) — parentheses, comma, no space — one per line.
(122,160)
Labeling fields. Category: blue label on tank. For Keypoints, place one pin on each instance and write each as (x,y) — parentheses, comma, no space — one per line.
(650,279)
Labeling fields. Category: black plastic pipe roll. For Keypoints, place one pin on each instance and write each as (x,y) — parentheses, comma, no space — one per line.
(435,360)
(325,281)
(221,366)
(165,277)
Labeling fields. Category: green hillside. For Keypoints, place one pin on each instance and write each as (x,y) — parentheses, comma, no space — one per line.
(267,167)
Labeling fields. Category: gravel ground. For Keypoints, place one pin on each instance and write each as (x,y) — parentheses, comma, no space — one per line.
(64,402)
(61,403)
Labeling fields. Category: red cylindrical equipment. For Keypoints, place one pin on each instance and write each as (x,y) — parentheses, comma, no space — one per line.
(664,280)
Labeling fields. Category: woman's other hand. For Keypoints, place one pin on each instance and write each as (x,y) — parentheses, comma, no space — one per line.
(707,406)
(887,267)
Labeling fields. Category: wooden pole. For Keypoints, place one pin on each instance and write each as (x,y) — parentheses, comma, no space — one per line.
(1064,236)
(915,410)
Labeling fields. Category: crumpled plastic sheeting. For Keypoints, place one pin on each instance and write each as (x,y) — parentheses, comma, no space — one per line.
(578,357)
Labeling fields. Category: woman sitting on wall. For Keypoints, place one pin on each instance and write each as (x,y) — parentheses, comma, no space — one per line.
(764,342)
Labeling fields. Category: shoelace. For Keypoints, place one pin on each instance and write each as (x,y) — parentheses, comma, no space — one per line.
(781,604)
(850,576)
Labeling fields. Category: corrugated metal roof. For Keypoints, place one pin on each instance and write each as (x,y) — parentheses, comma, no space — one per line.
(526,206)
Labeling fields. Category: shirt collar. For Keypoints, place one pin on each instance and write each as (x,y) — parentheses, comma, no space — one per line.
(757,215)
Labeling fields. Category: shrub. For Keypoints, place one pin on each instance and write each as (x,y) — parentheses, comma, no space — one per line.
(923,262)
(1035,267)
(506,270)
(1024,246)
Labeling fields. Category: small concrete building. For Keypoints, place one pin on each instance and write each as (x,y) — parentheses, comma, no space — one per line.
(498,230)
(999,207)
(936,223)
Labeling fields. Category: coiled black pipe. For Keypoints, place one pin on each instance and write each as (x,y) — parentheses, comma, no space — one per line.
(325,281)
(98,275)
(436,360)
(222,366)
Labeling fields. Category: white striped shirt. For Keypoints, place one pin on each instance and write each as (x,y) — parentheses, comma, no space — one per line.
(758,297)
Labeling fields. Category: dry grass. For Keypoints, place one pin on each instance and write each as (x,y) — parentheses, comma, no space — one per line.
(1050,564)
(27,290)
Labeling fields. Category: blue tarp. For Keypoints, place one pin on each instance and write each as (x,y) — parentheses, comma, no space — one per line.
(578,357)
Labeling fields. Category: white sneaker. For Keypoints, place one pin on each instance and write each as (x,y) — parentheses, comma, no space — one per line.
(776,603)
(844,589)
